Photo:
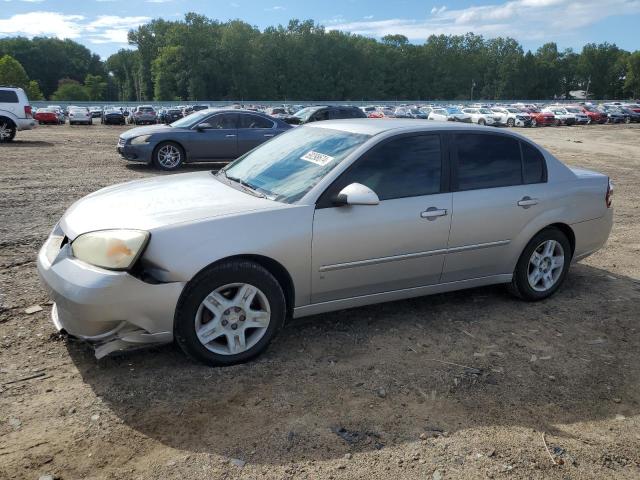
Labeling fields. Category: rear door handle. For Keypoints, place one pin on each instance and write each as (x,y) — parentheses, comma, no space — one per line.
(230,135)
(527,202)
(432,212)
(269,134)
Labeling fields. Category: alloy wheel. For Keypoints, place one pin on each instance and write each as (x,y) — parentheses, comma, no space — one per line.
(545,265)
(6,132)
(232,318)
(169,156)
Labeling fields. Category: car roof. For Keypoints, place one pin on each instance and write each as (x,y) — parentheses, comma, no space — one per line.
(369,126)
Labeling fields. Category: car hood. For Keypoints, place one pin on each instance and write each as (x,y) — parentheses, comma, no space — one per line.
(159,201)
(136,132)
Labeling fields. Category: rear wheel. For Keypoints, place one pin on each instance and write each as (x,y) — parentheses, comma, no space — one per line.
(229,313)
(481,121)
(627,119)
(7,131)
(543,265)
(168,156)
(511,122)
(534,122)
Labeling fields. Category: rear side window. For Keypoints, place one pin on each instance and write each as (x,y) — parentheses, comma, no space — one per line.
(405,167)
(254,121)
(8,96)
(487,161)
(533,170)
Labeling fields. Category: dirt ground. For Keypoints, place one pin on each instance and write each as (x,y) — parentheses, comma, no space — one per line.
(377,392)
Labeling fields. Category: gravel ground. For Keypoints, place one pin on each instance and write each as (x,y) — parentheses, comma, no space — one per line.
(459,385)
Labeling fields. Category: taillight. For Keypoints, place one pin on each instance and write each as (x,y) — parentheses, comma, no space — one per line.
(27,111)
(609,196)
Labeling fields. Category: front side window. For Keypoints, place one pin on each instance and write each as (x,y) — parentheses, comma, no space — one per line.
(254,121)
(487,161)
(288,166)
(409,166)
(222,121)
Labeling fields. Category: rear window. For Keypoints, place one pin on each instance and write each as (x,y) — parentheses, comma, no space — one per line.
(487,161)
(8,96)
(533,169)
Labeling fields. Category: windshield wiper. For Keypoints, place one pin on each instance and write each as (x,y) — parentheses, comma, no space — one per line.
(247,186)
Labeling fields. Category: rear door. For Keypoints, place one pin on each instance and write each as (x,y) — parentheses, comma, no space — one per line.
(499,186)
(253,130)
(399,243)
(218,141)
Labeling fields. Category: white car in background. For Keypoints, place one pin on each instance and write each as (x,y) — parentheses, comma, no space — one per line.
(581,117)
(80,115)
(15,113)
(450,114)
(512,117)
(563,117)
(482,116)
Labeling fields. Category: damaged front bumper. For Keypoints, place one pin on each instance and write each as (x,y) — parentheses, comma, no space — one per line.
(112,310)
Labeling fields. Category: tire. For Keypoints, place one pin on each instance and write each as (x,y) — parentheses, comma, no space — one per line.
(534,122)
(7,131)
(533,282)
(511,122)
(558,123)
(222,288)
(627,119)
(161,156)
(481,121)
(589,121)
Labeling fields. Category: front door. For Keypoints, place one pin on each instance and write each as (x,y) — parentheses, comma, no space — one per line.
(399,243)
(253,130)
(217,141)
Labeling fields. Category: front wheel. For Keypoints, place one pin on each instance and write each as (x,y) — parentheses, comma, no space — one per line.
(511,122)
(168,156)
(543,265)
(534,122)
(229,313)
(481,121)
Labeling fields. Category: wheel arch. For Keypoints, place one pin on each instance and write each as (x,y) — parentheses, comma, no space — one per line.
(9,119)
(170,140)
(274,267)
(564,228)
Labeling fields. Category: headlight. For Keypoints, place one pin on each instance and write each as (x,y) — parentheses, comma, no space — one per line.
(140,140)
(110,249)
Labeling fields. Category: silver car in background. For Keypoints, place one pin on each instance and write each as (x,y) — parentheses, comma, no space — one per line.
(332,215)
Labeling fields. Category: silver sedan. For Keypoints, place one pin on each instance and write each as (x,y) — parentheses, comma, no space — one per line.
(328,216)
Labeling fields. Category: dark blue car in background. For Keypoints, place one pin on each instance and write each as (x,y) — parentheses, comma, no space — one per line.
(212,135)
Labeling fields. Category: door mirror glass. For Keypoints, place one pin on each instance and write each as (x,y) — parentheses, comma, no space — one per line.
(204,126)
(356,194)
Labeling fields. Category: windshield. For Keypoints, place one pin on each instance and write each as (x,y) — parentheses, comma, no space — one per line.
(454,110)
(305,113)
(191,120)
(485,111)
(573,110)
(287,167)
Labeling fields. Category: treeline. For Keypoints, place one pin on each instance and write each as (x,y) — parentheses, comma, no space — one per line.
(202,59)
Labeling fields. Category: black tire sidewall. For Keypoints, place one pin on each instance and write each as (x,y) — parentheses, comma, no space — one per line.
(159,165)
(520,277)
(235,271)
(511,122)
(12,135)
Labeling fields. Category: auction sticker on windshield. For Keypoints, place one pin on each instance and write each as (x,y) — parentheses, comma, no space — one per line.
(317,158)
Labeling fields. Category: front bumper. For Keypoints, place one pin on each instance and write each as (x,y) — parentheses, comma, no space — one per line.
(110,309)
(135,153)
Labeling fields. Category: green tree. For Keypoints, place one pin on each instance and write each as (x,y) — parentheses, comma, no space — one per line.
(70,89)
(632,76)
(95,87)
(12,72)
(33,91)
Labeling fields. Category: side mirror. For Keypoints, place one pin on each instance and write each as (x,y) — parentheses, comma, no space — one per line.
(356,194)
(204,126)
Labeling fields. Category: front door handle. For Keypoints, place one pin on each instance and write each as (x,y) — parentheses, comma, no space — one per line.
(432,213)
(527,202)
(269,134)
(230,135)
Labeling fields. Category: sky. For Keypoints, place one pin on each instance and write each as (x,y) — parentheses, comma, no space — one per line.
(102,25)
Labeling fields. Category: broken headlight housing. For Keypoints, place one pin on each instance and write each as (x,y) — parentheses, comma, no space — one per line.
(110,249)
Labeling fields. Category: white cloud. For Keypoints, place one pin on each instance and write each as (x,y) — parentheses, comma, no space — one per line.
(102,29)
(158,1)
(275,8)
(32,1)
(517,18)
(368,17)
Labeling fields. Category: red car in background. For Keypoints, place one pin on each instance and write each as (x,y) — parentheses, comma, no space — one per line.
(47,115)
(539,118)
(595,115)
